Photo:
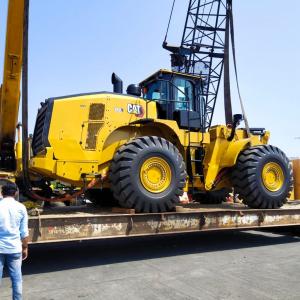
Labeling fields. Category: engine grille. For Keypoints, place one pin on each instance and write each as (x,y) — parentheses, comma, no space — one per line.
(41,129)
(96,115)
(96,112)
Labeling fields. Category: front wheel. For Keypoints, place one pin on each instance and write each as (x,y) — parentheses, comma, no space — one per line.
(263,177)
(148,174)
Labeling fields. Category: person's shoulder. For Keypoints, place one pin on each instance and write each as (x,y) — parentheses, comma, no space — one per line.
(20,205)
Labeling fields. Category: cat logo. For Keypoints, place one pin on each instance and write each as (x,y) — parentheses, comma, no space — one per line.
(135,109)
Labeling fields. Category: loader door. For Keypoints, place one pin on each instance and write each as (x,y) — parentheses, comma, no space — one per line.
(176,100)
(183,94)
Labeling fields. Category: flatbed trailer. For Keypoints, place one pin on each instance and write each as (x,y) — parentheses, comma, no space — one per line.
(88,222)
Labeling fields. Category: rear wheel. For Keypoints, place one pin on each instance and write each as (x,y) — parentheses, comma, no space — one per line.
(148,174)
(263,177)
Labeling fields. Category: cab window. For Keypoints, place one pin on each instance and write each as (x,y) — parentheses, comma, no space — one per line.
(157,91)
(183,94)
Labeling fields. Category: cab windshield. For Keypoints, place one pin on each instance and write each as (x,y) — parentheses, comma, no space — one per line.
(180,91)
(157,90)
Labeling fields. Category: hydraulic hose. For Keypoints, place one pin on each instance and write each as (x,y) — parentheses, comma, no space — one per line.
(65,197)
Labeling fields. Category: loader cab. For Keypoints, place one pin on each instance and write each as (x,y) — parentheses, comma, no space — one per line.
(178,97)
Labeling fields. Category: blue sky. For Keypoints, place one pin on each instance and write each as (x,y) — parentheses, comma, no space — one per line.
(76,45)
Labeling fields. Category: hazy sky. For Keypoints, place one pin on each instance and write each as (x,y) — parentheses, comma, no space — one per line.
(75,45)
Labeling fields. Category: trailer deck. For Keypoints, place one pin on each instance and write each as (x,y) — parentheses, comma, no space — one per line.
(88,222)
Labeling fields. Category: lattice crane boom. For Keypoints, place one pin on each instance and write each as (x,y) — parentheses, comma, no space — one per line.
(203,48)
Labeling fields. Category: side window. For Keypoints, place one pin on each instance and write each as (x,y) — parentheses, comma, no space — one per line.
(157,91)
(183,94)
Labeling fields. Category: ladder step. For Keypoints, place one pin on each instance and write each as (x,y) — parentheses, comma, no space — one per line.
(209,28)
(209,46)
(208,15)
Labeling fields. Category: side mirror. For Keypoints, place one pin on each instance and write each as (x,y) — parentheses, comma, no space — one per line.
(237,119)
(134,89)
(236,122)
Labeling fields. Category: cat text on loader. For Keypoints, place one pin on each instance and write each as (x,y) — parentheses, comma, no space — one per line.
(155,142)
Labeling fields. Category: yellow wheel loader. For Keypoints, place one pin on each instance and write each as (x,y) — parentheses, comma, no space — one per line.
(154,143)
(153,147)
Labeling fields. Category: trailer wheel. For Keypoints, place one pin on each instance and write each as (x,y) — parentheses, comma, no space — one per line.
(263,177)
(148,174)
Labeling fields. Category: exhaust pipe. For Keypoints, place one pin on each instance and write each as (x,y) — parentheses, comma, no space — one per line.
(118,83)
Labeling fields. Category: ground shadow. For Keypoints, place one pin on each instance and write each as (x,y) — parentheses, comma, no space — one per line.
(46,258)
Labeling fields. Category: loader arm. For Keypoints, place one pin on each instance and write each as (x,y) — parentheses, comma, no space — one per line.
(10,87)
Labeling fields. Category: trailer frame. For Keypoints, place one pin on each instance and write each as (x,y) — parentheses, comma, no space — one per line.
(87,222)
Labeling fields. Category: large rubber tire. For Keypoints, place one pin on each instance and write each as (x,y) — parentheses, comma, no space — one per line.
(251,171)
(126,178)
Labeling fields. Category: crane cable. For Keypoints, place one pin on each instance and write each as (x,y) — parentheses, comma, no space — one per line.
(236,72)
(227,86)
(25,154)
(170,18)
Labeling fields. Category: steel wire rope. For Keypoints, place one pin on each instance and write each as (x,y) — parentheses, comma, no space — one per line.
(170,18)
(236,70)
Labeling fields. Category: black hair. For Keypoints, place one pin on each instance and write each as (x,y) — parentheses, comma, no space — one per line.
(9,189)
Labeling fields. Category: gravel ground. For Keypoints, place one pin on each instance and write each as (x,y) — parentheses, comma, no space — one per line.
(221,265)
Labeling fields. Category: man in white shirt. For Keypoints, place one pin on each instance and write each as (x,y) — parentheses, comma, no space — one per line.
(13,236)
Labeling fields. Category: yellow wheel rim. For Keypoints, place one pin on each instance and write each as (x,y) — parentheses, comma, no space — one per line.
(273,177)
(155,175)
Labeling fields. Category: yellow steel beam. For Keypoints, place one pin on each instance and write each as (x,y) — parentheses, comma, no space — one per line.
(10,89)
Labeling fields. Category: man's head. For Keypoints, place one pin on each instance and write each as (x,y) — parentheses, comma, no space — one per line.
(9,189)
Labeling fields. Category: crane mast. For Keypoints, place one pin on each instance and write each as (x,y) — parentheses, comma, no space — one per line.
(10,88)
(203,49)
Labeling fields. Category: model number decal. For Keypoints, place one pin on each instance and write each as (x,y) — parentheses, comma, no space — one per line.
(135,109)
(118,109)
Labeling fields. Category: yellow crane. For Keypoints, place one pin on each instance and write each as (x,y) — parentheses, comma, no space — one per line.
(10,88)
(154,142)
